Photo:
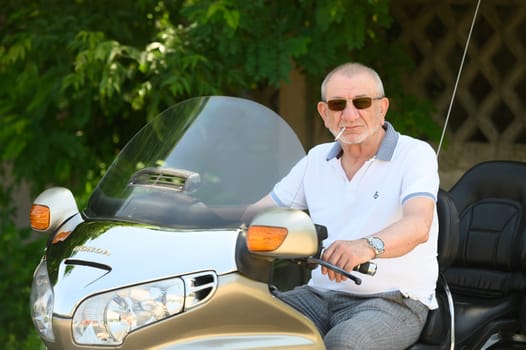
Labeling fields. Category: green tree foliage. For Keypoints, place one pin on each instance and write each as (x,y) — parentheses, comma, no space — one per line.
(18,259)
(79,77)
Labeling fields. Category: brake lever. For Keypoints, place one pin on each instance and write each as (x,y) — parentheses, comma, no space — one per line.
(368,268)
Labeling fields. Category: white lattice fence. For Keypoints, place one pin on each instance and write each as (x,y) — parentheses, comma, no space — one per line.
(487,119)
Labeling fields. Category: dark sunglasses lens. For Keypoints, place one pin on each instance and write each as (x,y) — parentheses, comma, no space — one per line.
(337,105)
(362,102)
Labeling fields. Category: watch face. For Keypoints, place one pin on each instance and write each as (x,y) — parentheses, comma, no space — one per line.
(377,244)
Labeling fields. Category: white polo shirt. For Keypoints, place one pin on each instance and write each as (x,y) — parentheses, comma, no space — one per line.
(403,168)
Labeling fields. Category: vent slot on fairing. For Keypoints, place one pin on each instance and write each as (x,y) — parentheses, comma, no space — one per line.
(199,288)
(180,180)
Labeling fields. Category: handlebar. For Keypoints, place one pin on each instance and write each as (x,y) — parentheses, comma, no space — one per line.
(368,268)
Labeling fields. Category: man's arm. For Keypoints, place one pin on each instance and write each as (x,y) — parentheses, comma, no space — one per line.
(399,238)
(246,213)
(264,203)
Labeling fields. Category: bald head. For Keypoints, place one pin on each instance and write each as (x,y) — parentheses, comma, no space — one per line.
(350,70)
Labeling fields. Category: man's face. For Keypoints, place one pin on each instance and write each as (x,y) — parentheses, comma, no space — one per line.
(359,123)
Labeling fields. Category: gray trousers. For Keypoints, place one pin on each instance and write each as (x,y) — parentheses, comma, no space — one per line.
(346,321)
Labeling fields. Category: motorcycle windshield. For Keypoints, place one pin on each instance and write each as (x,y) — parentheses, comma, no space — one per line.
(197,165)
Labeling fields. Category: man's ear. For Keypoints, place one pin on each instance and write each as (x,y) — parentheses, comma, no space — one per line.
(323,111)
(384,106)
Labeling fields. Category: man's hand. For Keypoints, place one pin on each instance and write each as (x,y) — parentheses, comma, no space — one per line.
(346,255)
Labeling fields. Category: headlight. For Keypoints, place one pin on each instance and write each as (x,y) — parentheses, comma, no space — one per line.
(106,319)
(41,302)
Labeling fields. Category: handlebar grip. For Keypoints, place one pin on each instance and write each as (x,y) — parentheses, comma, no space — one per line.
(368,268)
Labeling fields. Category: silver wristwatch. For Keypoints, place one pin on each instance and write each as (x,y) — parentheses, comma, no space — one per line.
(376,244)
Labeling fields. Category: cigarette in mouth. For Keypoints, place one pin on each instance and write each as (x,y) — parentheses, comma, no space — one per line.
(339,134)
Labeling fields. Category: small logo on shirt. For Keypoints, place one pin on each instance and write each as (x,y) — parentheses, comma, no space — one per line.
(376,195)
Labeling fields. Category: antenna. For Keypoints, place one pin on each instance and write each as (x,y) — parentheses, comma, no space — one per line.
(458,78)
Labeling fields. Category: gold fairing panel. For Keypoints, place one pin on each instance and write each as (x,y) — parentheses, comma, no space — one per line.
(101,256)
(242,314)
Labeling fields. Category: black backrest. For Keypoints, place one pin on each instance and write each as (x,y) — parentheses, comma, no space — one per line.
(490,199)
(447,230)
(437,328)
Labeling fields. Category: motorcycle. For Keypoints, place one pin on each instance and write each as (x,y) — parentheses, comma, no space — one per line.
(164,256)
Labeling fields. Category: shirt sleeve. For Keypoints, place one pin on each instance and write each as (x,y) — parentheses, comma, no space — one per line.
(420,178)
(289,191)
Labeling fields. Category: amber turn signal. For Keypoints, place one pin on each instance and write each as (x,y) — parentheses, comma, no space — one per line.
(265,238)
(39,217)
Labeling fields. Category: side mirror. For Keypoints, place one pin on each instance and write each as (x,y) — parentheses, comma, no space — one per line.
(51,209)
(282,233)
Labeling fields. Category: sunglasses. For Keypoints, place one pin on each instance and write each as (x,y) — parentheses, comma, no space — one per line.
(339,104)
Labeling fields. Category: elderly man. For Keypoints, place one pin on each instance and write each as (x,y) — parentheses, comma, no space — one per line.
(375,191)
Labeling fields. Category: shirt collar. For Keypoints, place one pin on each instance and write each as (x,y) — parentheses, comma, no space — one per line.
(386,150)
